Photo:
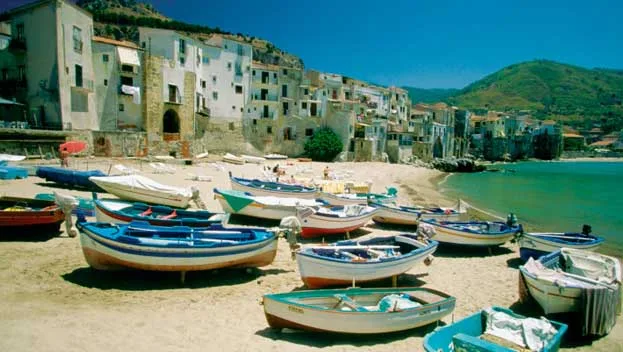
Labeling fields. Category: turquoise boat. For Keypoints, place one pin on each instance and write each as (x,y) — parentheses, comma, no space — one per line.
(483,331)
(85,205)
(13,172)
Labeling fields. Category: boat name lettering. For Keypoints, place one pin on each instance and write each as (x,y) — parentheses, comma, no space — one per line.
(295,309)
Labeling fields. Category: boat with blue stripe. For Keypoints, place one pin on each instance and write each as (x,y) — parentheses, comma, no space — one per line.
(473,233)
(535,245)
(269,188)
(142,246)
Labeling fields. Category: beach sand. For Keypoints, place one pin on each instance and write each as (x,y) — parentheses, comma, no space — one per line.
(52,301)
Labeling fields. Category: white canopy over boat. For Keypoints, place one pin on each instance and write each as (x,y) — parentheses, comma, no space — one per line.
(141,188)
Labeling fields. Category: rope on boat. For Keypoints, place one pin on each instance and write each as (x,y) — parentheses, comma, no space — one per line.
(477,211)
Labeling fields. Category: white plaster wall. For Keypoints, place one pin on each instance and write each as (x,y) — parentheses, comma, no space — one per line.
(70,16)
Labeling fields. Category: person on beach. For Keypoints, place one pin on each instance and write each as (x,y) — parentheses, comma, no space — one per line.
(64,154)
(326,172)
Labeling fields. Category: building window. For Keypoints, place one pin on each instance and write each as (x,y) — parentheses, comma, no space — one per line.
(233,107)
(309,132)
(275,75)
(21,73)
(143,45)
(284,91)
(78,72)
(20,31)
(206,60)
(105,57)
(214,95)
(306,91)
(203,84)
(229,66)
(304,105)
(285,72)
(77,36)
(173,94)
(127,81)
(127,68)
(105,82)
(121,107)
(254,121)
(182,46)
(240,50)
(238,89)
(182,61)
(288,135)
(214,79)
(269,130)
(253,72)
(238,69)
(285,108)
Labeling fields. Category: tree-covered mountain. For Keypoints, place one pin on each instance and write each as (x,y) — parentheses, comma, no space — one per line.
(120,19)
(550,89)
(433,95)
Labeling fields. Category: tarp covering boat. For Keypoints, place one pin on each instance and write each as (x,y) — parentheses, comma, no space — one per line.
(141,188)
(572,280)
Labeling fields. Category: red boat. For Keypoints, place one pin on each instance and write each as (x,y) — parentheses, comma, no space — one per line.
(29,214)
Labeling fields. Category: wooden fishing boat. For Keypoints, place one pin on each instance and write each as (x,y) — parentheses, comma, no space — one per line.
(368,260)
(26,215)
(71,178)
(269,188)
(11,157)
(139,245)
(253,159)
(403,215)
(233,159)
(535,245)
(496,329)
(473,233)
(559,280)
(322,221)
(263,207)
(358,198)
(142,189)
(85,206)
(357,310)
(121,211)
(275,157)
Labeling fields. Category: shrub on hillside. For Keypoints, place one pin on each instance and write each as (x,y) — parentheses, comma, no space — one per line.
(325,145)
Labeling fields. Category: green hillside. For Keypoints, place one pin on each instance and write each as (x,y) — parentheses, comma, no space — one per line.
(550,89)
(434,95)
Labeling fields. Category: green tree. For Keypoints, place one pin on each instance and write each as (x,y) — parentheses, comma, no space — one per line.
(324,145)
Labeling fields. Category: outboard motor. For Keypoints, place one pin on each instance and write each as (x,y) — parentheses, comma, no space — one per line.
(586,229)
(511,220)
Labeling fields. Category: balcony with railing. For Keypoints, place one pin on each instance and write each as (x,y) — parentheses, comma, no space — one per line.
(85,85)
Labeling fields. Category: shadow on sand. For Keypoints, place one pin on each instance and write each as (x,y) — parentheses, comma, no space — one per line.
(20,234)
(404,280)
(326,339)
(135,280)
(573,337)
(514,263)
(450,251)
(67,187)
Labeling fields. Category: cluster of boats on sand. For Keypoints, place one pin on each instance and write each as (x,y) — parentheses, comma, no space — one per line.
(149,227)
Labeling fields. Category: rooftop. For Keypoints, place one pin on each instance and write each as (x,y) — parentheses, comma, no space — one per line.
(115,42)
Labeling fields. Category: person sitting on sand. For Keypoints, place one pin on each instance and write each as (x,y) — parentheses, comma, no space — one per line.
(278,171)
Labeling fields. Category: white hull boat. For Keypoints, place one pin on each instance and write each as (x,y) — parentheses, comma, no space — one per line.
(346,261)
(357,310)
(142,189)
(472,233)
(264,207)
(253,159)
(232,159)
(320,221)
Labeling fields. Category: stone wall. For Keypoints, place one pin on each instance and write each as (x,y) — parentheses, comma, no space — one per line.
(422,150)
(363,149)
(119,144)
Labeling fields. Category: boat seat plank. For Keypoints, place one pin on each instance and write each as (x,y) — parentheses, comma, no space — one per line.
(464,342)
(347,301)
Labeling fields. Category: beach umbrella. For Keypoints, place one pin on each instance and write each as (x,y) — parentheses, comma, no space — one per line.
(73,146)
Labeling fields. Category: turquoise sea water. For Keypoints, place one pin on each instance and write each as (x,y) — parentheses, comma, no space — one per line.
(550,196)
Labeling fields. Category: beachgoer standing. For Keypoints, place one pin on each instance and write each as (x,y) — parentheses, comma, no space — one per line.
(326,172)
(64,157)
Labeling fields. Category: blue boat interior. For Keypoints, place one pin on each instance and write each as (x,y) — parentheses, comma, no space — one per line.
(277,186)
(477,227)
(397,249)
(23,204)
(165,213)
(141,232)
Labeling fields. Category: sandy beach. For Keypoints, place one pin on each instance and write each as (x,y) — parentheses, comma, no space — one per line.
(52,301)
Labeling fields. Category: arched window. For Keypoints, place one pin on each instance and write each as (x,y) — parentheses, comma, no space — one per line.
(170,122)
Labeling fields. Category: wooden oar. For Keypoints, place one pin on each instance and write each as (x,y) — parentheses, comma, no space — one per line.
(353,247)
(559,236)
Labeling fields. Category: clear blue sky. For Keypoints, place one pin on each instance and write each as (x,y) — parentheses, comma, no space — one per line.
(422,43)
